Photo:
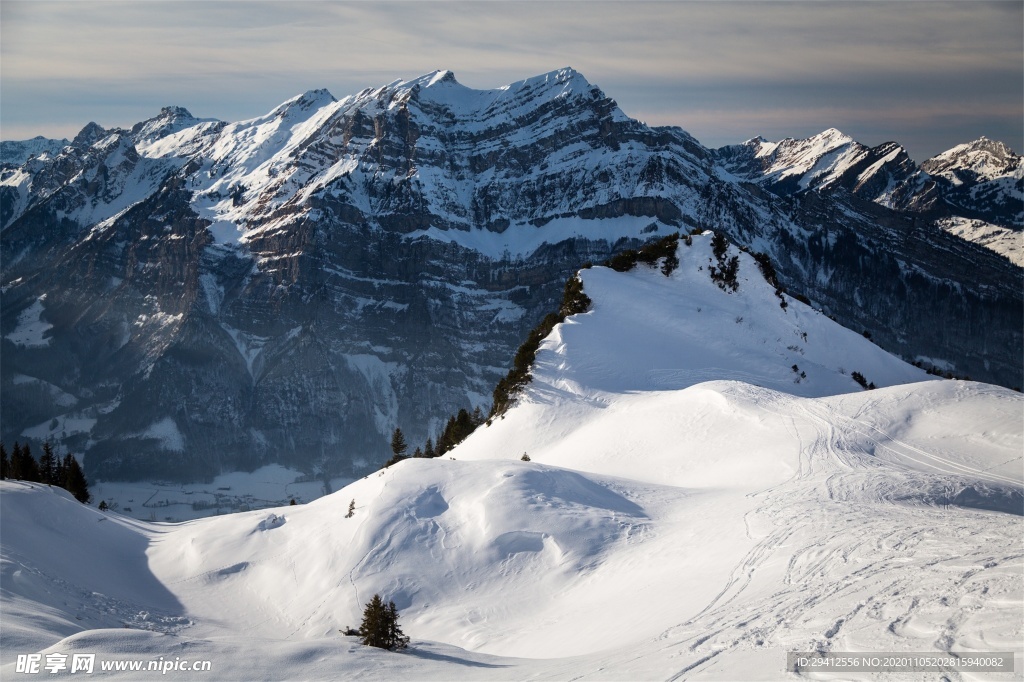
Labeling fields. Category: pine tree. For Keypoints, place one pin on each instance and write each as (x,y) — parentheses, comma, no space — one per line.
(398,444)
(398,447)
(396,638)
(5,463)
(351,509)
(380,625)
(418,452)
(14,466)
(74,479)
(29,465)
(48,466)
(373,630)
(60,472)
(23,464)
(464,425)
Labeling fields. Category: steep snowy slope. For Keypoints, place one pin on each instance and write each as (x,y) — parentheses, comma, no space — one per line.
(691,329)
(666,527)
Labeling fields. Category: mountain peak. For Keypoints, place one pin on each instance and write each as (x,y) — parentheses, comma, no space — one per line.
(440,76)
(89,134)
(176,112)
(834,137)
(983,158)
(567,77)
(170,120)
(310,99)
(982,144)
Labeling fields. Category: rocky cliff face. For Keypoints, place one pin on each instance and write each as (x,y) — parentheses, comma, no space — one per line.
(189,296)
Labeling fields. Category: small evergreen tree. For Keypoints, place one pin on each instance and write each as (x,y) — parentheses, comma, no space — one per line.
(351,509)
(23,464)
(48,466)
(464,424)
(74,479)
(373,629)
(14,466)
(396,638)
(30,465)
(103,505)
(719,246)
(398,444)
(4,462)
(59,472)
(380,625)
(428,449)
(398,447)
(445,441)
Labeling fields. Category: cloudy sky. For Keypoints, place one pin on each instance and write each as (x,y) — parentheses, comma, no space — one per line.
(927,74)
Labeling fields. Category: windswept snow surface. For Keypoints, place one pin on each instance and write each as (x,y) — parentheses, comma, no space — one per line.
(666,527)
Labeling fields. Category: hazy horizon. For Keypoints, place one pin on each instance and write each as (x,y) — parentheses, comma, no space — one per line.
(929,75)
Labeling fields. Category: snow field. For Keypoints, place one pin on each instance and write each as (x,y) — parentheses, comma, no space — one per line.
(666,527)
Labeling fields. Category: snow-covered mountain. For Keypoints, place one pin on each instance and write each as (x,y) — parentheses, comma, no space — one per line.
(189,297)
(17,152)
(975,190)
(664,527)
(826,161)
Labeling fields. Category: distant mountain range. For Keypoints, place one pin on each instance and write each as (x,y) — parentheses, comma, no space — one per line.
(192,296)
(975,190)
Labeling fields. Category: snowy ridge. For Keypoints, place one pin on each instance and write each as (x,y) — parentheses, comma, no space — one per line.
(689,330)
(91,187)
(252,168)
(979,183)
(18,152)
(664,527)
(983,158)
(824,161)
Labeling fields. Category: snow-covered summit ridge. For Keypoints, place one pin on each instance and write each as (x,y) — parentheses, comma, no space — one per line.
(818,162)
(974,190)
(984,158)
(309,144)
(685,329)
(470,106)
(170,120)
